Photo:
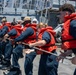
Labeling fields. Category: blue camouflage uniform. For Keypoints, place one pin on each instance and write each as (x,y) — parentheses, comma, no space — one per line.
(3,31)
(73,33)
(48,64)
(18,52)
(8,47)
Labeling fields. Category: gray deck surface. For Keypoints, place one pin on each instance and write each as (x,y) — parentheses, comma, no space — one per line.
(65,68)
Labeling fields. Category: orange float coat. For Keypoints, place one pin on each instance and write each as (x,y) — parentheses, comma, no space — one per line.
(68,42)
(51,45)
(19,29)
(32,38)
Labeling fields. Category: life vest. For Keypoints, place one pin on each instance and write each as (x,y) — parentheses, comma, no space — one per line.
(1,27)
(32,38)
(8,24)
(51,45)
(19,29)
(68,42)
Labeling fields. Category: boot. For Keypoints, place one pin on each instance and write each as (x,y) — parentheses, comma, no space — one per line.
(5,64)
(1,59)
(15,71)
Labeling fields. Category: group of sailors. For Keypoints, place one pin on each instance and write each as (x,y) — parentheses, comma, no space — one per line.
(32,39)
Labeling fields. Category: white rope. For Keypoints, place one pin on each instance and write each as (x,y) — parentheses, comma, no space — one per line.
(46,51)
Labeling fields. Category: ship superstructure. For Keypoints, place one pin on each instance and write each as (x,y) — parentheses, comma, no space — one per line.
(20,8)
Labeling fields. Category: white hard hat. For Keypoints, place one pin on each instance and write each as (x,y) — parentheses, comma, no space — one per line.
(35,20)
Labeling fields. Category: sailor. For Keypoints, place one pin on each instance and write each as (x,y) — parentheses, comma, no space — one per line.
(28,35)
(6,27)
(68,17)
(8,37)
(48,64)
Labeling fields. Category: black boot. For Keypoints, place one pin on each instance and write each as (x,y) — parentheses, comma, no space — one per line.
(14,71)
(1,59)
(5,64)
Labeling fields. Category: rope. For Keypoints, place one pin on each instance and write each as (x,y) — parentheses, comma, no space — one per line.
(46,51)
